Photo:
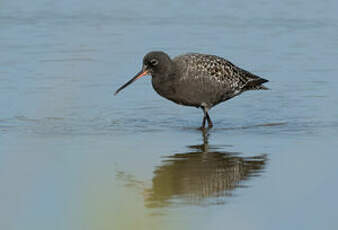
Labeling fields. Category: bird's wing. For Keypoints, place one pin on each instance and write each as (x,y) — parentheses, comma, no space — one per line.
(220,71)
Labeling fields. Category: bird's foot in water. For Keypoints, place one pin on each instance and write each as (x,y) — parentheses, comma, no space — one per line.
(205,129)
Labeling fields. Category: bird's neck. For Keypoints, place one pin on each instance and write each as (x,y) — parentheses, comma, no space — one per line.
(164,82)
(166,73)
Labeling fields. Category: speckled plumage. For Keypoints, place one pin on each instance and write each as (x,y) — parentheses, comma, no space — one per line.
(199,80)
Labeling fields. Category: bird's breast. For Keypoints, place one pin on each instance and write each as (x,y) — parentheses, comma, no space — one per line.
(164,87)
(172,90)
(177,92)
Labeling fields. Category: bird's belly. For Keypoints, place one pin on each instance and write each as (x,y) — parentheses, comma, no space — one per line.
(175,93)
(190,95)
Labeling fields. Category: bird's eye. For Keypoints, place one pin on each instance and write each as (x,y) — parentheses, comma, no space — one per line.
(153,62)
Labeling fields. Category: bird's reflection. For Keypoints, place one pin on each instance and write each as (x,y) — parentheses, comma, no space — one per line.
(202,176)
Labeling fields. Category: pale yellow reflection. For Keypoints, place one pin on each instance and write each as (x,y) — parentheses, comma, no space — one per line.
(201,176)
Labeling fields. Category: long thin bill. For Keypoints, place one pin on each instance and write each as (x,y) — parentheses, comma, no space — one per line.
(138,75)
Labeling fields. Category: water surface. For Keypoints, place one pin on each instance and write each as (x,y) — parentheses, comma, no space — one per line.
(73,156)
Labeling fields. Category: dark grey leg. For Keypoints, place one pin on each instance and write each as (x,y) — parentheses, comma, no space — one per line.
(209,120)
(206,117)
(203,123)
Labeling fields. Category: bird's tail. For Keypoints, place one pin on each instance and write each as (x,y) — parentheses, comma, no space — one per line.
(262,87)
(256,84)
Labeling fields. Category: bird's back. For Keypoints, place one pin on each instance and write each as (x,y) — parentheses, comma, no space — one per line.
(211,79)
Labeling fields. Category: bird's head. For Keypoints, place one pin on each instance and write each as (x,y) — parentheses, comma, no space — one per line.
(155,63)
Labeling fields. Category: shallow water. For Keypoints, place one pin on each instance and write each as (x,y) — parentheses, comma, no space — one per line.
(73,156)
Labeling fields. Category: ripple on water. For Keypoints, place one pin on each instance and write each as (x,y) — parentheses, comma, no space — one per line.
(101,125)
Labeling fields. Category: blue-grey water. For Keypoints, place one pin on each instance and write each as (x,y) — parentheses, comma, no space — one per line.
(73,156)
